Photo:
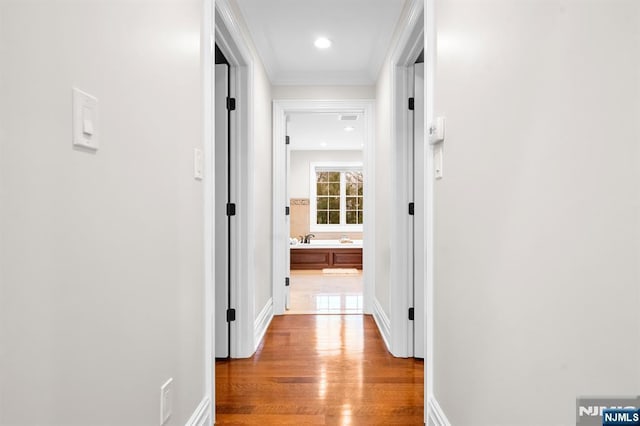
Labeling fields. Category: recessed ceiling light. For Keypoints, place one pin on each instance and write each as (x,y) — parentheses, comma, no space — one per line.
(323,144)
(349,129)
(322,43)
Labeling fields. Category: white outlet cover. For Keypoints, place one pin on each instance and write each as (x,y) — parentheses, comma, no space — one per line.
(166,404)
(85,120)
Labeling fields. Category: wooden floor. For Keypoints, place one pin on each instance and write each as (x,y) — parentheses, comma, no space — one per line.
(322,370)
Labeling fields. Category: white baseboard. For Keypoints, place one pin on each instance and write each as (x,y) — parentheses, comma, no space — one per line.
(262,323)
(202,415)
(435,415)
(383,322)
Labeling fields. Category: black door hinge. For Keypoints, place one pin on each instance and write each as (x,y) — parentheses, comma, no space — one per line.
(287,140)
(231,209)
(231,104)
(411,104)
(410,314)
(286,211)
(231,315)
(286,281)
(411,208)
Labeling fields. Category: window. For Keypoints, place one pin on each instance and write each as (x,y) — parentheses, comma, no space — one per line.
(336,197)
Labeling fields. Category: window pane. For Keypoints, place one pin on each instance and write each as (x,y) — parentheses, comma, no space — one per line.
(360,203)
(334,188)
(360,216)
(334,203)
(334,177)
(322,177)
(323,203)
(352,203)
(334,217)
(322,189)
(352,218)
(352,188)
(360,188)
(321,218)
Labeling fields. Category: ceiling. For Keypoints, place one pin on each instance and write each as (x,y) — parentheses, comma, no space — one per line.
(284,32)
(324,131)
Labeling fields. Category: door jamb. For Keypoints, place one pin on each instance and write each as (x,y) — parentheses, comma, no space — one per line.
(280,230)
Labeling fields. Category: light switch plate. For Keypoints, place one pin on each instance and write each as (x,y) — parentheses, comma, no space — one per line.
(437,131)
(437,161)
(85,120)
(166,405)
(198,164)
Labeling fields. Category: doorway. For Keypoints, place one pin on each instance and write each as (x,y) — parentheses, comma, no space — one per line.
(324,257)
(326,194)
(223,218)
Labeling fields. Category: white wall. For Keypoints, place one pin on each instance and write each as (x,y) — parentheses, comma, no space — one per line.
(323,92)
(300,163)
(263,186)
(101,273)
(537,231)
(383,194)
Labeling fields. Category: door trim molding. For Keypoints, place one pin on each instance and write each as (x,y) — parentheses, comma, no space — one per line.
(280,225)
(430,40)
(230,39)
(208,136)
(403,55)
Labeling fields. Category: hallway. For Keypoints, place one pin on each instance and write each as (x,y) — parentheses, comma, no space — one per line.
(324,370)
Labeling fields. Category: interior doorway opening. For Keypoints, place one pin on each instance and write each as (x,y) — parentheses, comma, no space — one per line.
(326,196)
(324,236)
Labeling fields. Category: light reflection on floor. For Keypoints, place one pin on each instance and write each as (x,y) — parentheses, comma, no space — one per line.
(338,342)
(313,292)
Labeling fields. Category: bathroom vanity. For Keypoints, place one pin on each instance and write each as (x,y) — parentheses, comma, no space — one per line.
(321,254)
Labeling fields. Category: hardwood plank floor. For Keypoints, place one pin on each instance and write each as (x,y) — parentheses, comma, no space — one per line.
(322,370)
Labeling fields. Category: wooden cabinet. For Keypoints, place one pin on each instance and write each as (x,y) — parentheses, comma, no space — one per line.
(318,258)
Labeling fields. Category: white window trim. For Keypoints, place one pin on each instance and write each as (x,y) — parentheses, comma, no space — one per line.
(335,166)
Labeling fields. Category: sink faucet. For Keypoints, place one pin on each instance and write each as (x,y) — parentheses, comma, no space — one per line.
(307,238)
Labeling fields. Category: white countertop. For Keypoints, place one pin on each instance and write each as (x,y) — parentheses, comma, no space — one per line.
(317,244)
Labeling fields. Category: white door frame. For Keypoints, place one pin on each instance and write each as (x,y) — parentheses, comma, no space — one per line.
(228,37)
(403,56)
(280,223)
(433,413)
(208,135)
